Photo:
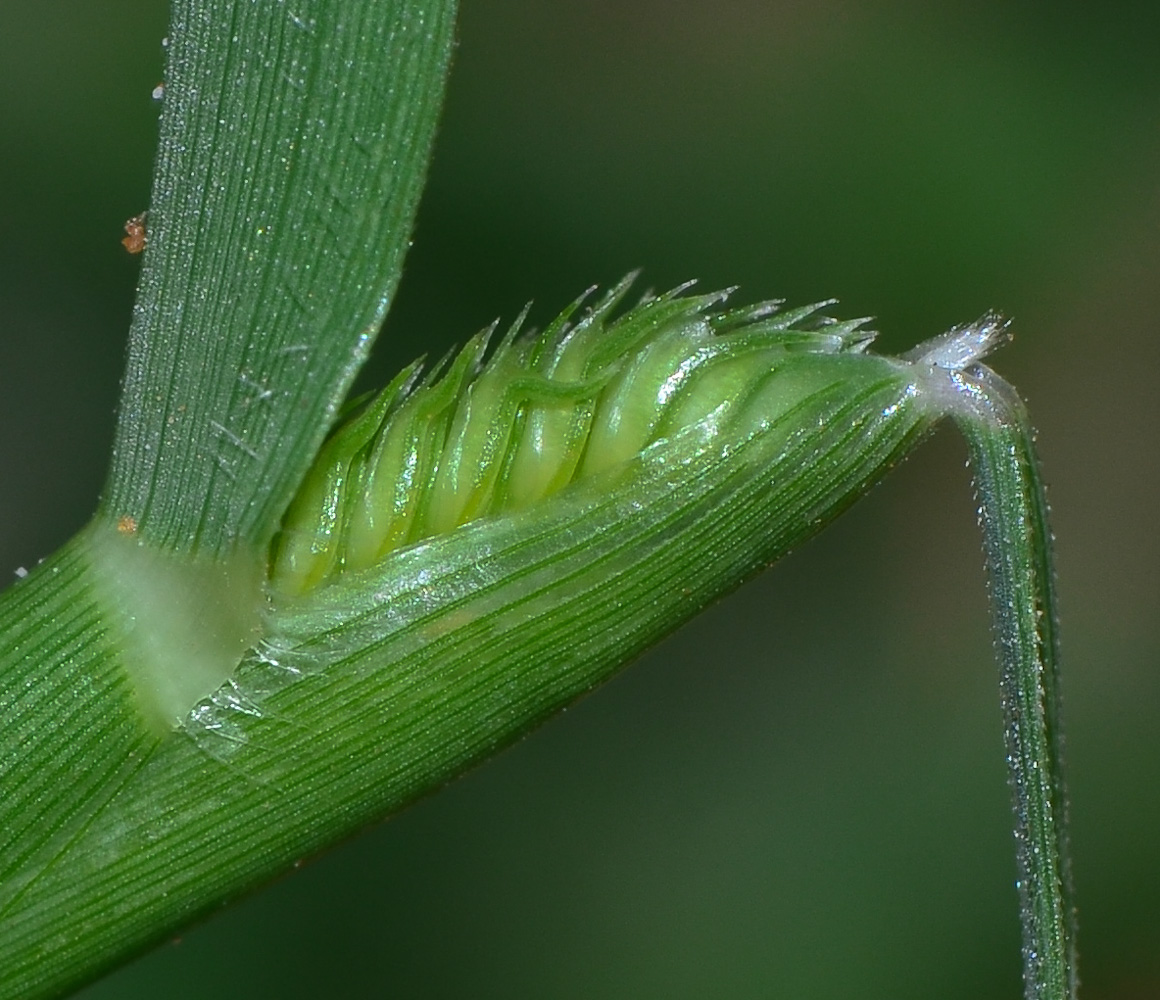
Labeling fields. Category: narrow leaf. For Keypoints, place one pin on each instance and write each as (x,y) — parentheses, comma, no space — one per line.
(294,143)
(1017,545)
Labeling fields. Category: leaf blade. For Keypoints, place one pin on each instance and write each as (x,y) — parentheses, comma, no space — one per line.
(1017,547)
(294,143)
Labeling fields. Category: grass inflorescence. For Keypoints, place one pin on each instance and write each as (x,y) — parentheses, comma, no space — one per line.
(502,425)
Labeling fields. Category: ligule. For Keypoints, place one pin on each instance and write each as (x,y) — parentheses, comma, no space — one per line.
(476,438)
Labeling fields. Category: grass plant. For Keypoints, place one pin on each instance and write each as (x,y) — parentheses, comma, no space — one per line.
(292,615)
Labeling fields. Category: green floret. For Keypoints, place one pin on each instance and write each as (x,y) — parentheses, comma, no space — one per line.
(476,437)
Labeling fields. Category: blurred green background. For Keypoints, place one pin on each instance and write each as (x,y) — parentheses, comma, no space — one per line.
(803,793)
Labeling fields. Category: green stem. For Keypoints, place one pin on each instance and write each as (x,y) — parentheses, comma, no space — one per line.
(1017,543)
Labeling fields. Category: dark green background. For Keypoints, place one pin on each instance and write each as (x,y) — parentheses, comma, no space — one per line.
(802,794)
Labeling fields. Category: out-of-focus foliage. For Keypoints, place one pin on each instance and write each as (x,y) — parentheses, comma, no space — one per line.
(789,822)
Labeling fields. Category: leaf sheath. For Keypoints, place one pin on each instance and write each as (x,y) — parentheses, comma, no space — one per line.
(391,681)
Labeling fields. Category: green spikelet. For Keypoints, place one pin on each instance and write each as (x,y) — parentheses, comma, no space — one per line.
(578,401)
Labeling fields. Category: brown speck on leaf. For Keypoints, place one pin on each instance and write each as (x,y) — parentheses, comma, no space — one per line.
(126,525)
(134,242)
